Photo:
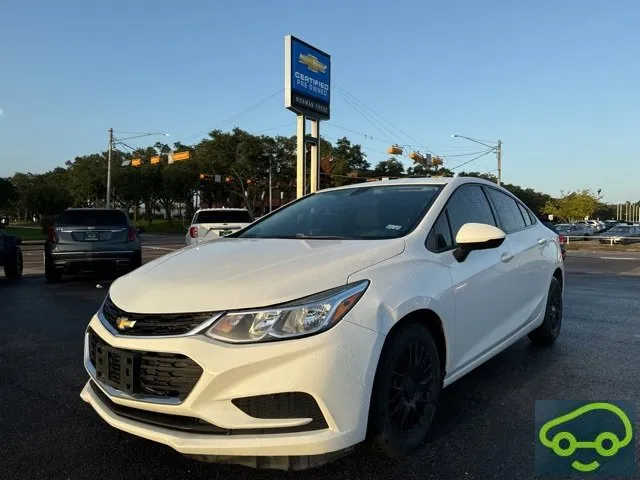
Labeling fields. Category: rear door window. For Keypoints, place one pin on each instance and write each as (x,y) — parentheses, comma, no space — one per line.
(525,214)
(92,218)
(507,208)
(223,216)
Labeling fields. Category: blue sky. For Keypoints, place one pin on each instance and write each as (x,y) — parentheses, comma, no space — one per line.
(557,81)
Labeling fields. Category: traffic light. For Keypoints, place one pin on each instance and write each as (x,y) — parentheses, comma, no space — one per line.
(136,162)
(437,161)
(227,179)
(395,150)
(416,157)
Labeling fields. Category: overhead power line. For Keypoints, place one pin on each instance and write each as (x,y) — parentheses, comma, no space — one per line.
(365,116)
(383,119)
(235,117)
(473,159)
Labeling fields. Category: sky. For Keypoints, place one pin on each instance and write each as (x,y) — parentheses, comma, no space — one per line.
(557,81)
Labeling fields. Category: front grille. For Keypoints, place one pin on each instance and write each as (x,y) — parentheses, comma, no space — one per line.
(284,405)
(153,324)
(183,423)
(153,374)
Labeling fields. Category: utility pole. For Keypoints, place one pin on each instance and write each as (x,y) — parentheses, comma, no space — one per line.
(270,194)
(499,157)
(109,168)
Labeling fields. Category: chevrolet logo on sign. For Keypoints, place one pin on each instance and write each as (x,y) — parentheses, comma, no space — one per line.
(123,323)
(312,63)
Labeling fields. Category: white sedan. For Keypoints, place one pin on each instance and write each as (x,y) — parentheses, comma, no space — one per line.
(212,223)
(338,319)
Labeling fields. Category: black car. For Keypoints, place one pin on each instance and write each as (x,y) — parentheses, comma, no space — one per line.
(90,239)
(10,253)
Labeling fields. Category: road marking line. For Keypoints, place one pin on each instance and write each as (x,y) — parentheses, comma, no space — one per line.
(618,258)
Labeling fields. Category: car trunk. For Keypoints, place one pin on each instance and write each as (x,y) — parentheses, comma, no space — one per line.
(92,230)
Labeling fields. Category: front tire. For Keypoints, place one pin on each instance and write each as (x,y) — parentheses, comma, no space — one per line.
(13,265)
(405,392)
(548,332)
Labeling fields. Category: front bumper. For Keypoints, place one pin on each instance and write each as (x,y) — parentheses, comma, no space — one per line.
(336,368)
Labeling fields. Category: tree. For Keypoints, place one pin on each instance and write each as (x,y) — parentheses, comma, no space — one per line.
(87,178)
(351,156)
(8,193)
(24,183)
(572,206)
(422,170)
(485,176)
(391,167)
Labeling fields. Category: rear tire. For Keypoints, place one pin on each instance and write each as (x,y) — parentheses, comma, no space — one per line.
(405,392)
(548,332)
(51,274)
(136,262)
(13,265)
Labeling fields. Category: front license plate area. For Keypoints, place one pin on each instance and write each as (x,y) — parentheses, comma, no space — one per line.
(117,368)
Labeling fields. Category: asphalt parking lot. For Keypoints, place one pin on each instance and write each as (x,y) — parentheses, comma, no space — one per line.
(484,428)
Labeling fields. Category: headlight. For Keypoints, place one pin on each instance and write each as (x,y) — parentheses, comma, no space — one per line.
(299,318)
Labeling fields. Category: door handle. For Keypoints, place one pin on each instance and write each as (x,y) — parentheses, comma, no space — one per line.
(542,241)
(506,256)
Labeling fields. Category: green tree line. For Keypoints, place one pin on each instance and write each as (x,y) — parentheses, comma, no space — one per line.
(241,162)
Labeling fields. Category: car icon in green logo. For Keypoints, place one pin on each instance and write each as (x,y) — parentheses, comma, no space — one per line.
(606,444)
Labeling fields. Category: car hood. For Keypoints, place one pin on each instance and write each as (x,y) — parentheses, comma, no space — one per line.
(234,273)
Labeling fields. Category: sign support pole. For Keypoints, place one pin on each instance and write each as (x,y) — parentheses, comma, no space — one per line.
(315,156)
(301,170)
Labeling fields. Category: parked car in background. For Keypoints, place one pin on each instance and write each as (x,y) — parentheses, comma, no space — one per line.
(212,223)
(621,234)
(84,239)
(575,231)
(10,252)
(561,237)
(334,320)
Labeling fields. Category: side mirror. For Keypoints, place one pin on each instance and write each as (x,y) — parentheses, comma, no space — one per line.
(477,236)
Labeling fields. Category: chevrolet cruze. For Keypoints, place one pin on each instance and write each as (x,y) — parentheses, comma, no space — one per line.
(335,320)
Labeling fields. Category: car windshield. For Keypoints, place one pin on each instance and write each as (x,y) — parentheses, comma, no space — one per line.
(356,213)
(223,216)
(92,218)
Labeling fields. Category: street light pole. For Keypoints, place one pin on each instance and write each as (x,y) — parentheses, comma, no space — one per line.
(112,142)
(499,158)
(109,168)
(497,148)
(270,193)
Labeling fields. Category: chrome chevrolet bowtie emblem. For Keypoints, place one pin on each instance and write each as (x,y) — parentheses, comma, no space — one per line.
(123,323)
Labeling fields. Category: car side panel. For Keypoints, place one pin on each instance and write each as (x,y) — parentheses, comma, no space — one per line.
(419,283)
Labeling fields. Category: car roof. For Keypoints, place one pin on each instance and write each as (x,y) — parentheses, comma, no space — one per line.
(454,181)
(221,210)
(91,209)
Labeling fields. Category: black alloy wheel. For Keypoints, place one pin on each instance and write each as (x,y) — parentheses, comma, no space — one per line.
(549,331)
(406,391)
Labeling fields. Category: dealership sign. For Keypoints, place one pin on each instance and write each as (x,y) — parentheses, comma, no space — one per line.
(307,80)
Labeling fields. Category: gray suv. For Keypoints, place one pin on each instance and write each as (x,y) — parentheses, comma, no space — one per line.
(89,239)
